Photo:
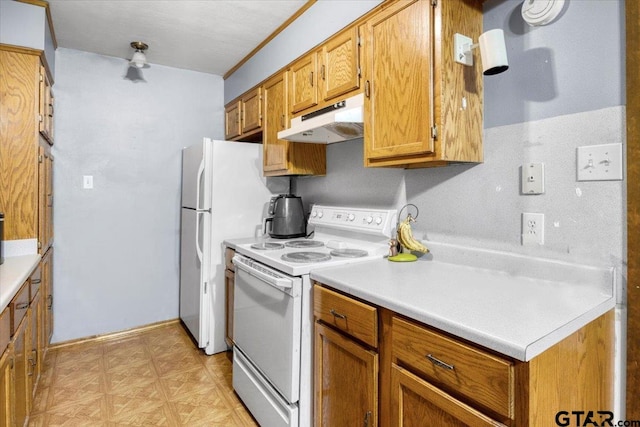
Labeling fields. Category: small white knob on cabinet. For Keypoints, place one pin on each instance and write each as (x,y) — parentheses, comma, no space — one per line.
(369,219)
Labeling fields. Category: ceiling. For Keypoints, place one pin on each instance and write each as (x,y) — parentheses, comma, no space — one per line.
(211,36)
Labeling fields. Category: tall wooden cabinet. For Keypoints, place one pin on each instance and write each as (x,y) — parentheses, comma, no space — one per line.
(421,108)
(26,195)
(281,157)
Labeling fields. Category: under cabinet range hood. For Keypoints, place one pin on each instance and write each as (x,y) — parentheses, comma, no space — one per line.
(339,122)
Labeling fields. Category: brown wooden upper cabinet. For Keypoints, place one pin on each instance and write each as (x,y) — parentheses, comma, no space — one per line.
(320,77)
(340,65)
(45,108)
(281,157)
(302,80)
(243,116)
(232,120)
(421,108)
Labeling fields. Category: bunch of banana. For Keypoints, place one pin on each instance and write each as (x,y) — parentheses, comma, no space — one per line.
(406,239)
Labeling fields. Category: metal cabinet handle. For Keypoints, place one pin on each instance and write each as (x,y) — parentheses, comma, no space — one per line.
(338,315)
(311,78)
(36,281)
(367,418)
(322,72)
(22,306)
(282,121)
(367,89)
(34,361)
(50,299)
(439,362)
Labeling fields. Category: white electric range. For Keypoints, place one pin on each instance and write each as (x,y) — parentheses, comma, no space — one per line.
(273,315)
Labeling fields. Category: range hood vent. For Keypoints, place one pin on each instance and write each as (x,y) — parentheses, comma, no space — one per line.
(339,122)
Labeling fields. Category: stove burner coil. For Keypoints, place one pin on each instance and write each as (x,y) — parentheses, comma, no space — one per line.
(305,257)
(304,244)
(265,246)
(349,253)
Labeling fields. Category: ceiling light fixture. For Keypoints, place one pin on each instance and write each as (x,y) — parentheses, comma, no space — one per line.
(139,59)
(493,51)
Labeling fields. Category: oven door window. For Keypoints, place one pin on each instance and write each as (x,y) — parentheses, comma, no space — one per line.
(267,325)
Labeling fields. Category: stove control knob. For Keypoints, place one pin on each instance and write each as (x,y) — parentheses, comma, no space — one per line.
(313,214)
(369,219)
(379,220)
(320,214)
(351,217)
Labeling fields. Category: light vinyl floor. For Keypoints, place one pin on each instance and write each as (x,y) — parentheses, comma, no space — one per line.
(154,378)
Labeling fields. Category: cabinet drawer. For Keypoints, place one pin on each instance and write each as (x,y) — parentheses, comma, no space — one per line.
(5,330)
(18,306)
(228,256)
(357,319)
(456,367)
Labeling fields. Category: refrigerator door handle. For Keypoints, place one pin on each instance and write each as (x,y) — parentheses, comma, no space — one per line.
(198,248)
(198,180)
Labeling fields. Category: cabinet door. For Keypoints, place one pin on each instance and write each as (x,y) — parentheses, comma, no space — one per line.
(339,65)
(417,403)
(398,82)
(45,110)
(21,373)
(7,381)
(276,119)
(229,278)
(47,293)
(45,198)
(252,111)
(34,352)
(232,120)
(346,381)
(302,83)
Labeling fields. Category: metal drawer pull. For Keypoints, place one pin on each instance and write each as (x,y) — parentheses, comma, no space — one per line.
(22,306)
(35,281)
(367,418)
(338,315)
(439,362)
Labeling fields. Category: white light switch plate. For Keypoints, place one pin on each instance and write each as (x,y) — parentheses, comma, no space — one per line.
(532,178)
(599,162)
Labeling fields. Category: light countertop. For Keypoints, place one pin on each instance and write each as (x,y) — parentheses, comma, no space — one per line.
(518,307)
(14,271)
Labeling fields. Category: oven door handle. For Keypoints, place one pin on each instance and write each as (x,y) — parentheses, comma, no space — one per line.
(280,282)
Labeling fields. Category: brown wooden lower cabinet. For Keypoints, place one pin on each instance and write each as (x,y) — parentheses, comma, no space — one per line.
(346,377)
(21,393)
(414,401)
(7,383)
(420,376)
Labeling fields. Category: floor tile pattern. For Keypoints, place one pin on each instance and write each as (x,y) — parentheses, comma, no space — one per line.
(155,378)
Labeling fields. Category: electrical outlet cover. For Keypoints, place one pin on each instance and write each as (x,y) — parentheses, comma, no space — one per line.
(532,229)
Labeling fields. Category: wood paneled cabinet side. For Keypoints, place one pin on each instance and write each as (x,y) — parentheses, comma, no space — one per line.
(45,198)
(421,108)
(282,157)
(229,281)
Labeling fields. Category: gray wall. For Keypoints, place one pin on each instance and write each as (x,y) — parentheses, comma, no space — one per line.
(323,19)
(552,99)
(116,246)
(23,24)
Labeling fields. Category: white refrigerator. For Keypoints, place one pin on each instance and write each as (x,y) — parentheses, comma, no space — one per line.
(224,196)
